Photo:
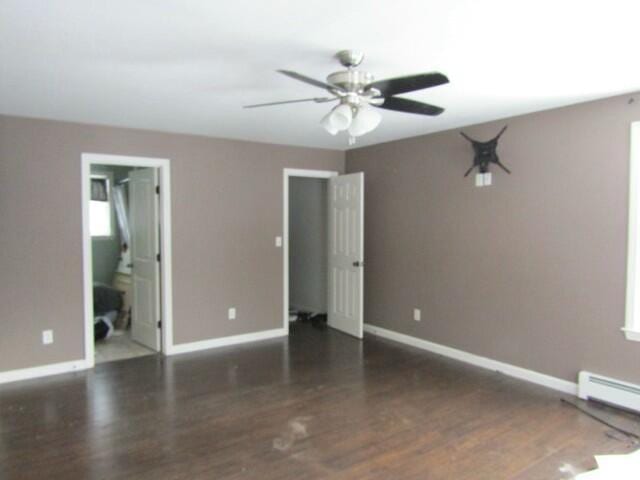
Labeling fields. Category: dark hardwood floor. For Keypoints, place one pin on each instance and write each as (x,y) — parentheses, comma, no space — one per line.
(316,405)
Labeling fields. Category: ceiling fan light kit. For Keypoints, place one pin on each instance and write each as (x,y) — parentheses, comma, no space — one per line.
(328,125)
(357,121)
(365,121)
(340,117)
(356,91)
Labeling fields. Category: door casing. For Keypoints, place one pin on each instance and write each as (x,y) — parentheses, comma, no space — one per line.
(163,166)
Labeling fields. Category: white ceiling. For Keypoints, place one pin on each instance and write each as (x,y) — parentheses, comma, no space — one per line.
(189,65)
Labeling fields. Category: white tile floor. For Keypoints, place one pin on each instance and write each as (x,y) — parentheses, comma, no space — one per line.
(119,346)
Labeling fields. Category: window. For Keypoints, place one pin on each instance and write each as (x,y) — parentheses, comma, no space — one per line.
(632,324)
(100,210)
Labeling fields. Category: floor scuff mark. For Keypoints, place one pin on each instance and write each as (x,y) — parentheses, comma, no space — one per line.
(296,430)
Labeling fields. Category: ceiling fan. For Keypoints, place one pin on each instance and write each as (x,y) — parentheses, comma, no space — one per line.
(356,92)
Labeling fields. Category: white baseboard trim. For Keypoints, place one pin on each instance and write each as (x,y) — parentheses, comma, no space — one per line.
(226,341)
(42,371)
(538,378)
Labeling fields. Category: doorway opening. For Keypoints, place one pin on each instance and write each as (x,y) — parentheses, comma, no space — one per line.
(308,238)
(323,249)
(127,277)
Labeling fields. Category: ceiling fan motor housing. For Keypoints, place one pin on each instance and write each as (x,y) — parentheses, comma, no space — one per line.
(350,80)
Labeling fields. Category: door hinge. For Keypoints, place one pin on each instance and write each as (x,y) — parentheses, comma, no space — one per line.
(158,189)
(157,256)
(159,323)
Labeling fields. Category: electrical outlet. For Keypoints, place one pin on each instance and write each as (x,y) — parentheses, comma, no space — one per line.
(47,337)
(417,314)
(232,313)
(278,242)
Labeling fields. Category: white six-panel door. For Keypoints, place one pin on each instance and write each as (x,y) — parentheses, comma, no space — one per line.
(143,207)
(346,253)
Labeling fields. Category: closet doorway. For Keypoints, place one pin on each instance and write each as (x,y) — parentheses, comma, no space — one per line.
(323,256)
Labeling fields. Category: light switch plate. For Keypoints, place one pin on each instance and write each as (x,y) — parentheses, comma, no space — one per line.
(232,313)
(47,337)
(278,242)
(487,179)
(417,314)
(479,180)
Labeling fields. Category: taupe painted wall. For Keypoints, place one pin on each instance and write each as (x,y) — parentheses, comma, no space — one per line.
(308,219)
(227,210)
(529,271)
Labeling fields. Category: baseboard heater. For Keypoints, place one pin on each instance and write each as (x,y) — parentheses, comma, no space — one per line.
(609,390)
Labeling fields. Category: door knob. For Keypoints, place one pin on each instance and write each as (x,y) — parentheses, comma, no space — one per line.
(358,264)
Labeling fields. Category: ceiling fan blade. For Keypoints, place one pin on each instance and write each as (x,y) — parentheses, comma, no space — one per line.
(317,100)
(399,104)
(410,83)
(309,80)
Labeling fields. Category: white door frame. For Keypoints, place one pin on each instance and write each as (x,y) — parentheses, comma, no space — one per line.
(163,166)
(287,174)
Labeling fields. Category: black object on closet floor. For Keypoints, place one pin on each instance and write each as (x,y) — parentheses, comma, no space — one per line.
(318,321)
